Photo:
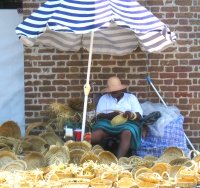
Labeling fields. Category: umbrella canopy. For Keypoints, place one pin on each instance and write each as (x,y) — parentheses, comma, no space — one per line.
(120,26)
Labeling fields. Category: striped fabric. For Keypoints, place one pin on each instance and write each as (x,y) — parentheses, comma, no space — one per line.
(120,26)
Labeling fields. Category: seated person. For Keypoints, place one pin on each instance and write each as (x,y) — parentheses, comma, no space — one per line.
(113,102)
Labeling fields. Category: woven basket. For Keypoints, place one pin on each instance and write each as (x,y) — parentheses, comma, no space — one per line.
(6,157)
(10,129)
(76,183)
(100,183)
(185,183)
(97,147)
(170,154)
(179,161)
(39,144)
(35,160)
(51,138)
(125,173)
(150,158)
(15,165)
(97,151)
(106,157)
(160,168)
(175,151)
(76,155)
(32,127)
(33,176)
(26,146)
(174,170)
(4,147)
(57,155)
(126,182)
(89,156)
(140,170)
(84,145)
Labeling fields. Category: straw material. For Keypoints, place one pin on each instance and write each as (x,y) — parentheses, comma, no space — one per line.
(77,104)
(106,157)
(57,155)
(97,151)
(123,160)
(76,155)
(196,158)
(185,183)
(39,144)
(174,170)
(76,182)
(179,161)
(125,173)
(89,156)
(170,154)
(160,168)
(174,151)
(140,170)
(35,160)
(97,147)
(32,127)
(15,165)
(26,146)
(10,129)
(84,145)
(100,183)
(51,138)
(126,182)
(4,147)
(118,120)
(33,175)
(150,158)
(6,157)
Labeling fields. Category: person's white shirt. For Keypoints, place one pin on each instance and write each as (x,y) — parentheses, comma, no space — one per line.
(128,102)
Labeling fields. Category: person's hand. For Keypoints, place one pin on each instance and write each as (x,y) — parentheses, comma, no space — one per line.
(127,114)
(88,137)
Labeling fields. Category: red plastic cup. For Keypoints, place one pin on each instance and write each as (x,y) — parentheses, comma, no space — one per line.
(77,134)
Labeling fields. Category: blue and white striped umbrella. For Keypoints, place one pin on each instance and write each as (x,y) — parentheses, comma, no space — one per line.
(115,27)
(120,26)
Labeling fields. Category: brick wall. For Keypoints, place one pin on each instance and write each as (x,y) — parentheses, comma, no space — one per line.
(52,75)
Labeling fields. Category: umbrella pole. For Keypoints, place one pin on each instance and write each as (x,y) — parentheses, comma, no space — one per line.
(87,86)
(150,82)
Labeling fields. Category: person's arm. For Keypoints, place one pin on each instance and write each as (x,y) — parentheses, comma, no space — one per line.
(108,116)
(136,109)
(132,115)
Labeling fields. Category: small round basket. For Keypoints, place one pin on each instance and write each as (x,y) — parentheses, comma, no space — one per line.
(4,147)
(84,145)
(10,129)
(97,147)
(35,160)
(76,155)
(39,144)
(51,138)
(179,161)
(16,165)
(160,168)
(106,157)
(89,156)
(57,155)
(40,126)
(126,182)
(6,157)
